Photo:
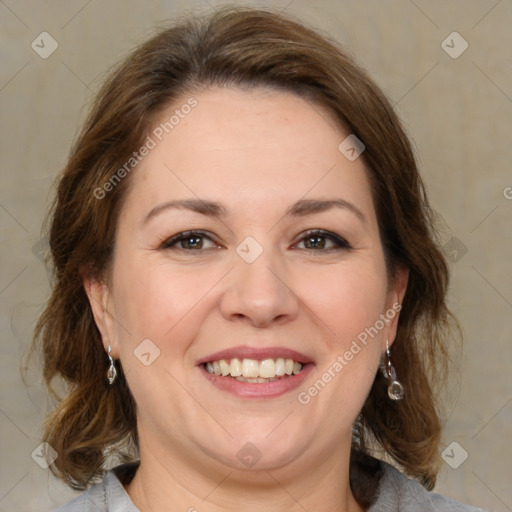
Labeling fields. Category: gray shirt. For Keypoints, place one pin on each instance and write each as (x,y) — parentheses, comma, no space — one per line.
(396,493)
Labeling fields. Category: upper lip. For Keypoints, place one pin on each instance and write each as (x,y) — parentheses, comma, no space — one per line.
(258,353)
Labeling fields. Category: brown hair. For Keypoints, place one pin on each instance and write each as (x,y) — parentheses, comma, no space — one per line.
(246,48)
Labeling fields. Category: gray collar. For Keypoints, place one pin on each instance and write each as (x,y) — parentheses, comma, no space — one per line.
(395,493)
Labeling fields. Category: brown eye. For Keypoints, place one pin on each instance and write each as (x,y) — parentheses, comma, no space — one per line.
(314,242)
(322,241)
(190,241)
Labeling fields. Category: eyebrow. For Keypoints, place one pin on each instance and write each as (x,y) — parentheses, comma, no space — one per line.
(208,208)
(213,209)
(308,206)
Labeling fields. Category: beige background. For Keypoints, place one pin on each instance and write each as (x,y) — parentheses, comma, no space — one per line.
(458,112)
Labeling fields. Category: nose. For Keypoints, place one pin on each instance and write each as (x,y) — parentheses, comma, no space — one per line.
(258,293)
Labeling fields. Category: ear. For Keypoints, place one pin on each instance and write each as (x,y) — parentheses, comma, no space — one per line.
(101,301)
(396,293)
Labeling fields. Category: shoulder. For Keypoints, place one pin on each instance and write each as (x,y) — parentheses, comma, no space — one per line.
(397,492)
(95,498)
(108,495)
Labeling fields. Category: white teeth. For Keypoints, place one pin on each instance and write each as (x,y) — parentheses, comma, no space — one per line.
(258,380)
(216,368)
(235,368)
(267,368)
(280,367)
(224,367)
(252,370)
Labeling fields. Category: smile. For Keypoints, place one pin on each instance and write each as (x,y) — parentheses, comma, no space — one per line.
(254,371)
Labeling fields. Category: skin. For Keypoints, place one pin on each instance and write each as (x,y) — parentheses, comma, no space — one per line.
(257,152)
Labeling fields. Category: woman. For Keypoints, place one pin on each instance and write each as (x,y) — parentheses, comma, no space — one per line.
(249,301)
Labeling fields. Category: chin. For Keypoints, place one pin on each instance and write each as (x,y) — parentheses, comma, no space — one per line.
(259,446)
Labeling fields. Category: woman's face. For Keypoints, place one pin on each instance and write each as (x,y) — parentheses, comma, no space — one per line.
(247,239)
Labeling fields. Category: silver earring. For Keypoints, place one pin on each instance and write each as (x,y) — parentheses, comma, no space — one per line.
(111,372)
(395,389)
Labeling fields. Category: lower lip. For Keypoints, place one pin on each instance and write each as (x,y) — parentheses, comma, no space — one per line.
(258,389)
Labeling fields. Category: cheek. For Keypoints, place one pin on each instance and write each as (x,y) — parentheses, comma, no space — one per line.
(348,300)
(157,301)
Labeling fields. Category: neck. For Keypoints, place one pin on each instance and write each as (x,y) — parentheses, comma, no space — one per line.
(178,483)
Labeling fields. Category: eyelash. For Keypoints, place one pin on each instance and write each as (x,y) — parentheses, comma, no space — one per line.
(171,242)
(340,243)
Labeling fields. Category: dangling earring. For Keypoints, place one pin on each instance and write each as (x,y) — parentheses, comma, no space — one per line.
(111,372)
(395,389)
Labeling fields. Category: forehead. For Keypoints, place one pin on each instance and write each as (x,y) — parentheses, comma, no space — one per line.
(249,147)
